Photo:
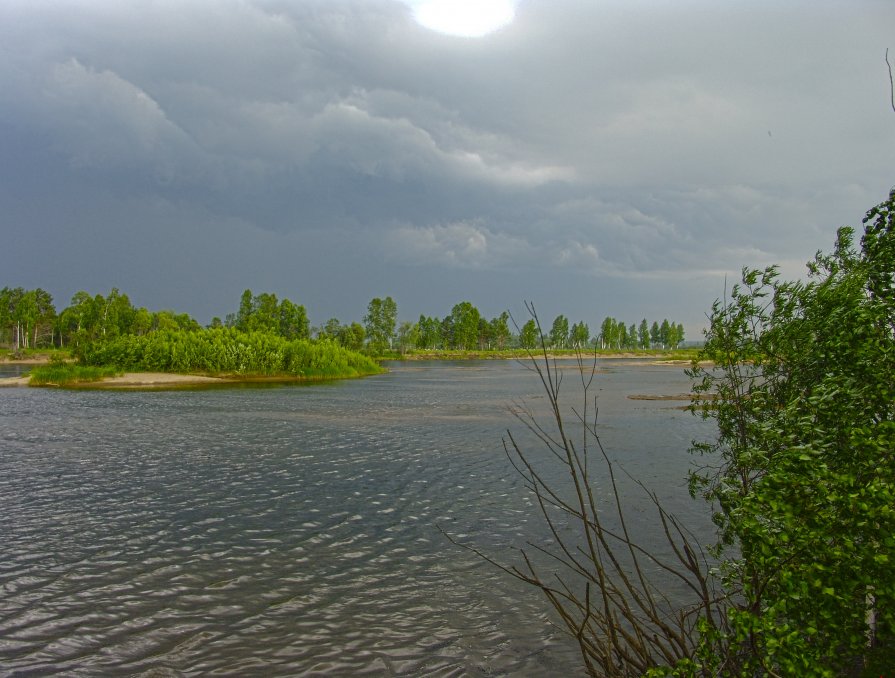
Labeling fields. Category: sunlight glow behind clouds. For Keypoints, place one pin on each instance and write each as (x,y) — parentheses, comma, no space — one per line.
(587,154)
(465,18)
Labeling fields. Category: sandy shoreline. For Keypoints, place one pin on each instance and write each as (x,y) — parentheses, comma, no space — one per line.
(157,380)
(14,381)
(166,380)
(163,380)
(137,380)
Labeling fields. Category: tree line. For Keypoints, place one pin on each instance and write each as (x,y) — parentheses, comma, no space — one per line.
(29,319)
(466,328)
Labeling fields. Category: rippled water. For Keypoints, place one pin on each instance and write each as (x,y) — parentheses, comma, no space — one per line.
(292,530)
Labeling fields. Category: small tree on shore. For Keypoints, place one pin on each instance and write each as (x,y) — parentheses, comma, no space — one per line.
(802,473)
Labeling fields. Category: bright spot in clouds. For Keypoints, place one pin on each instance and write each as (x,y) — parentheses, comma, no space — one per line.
(467,18)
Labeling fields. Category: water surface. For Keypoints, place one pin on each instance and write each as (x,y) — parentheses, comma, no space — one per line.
(293,530)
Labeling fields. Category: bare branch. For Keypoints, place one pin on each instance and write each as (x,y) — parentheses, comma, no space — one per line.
(891,81)
(609,592)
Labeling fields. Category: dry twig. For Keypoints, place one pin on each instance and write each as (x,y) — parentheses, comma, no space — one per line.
(891,82)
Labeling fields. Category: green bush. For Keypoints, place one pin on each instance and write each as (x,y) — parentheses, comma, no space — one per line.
(227,351)
(62,374)
(801,475)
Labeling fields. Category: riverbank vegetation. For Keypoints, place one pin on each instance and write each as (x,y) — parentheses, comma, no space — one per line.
(29,321)
(800,482)
(107,334)
(68,374)
(801,476)
(226,351)
(267,336)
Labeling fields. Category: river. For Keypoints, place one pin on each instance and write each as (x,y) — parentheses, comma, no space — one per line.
(294,530)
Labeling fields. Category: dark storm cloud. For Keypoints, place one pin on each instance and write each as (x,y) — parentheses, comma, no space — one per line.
(639,149)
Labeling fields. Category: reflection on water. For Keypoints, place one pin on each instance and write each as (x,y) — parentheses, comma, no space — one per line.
(292,530)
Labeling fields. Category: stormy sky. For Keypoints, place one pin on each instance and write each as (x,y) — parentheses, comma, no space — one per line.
(595,157)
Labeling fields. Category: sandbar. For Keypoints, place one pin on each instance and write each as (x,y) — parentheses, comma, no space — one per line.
(157,380)
(136,380)
(14,381)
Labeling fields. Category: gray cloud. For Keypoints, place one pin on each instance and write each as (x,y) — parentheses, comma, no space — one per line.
(641,149)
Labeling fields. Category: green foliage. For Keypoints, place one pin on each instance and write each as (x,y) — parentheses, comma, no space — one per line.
(579,335)
(655,335)
(91,318)
(465,326)
(227,351)
(58,373)
(464,329)
(615,334)
(804,478)
(631,337)
(329,329)
(27,318)
(643,334)
(500,330)
(429,332)
(264,313)
(408,335)
(665,333)
(348,336)
(559,332)
(293,321)
(529,335)
(352,336)
(379,323)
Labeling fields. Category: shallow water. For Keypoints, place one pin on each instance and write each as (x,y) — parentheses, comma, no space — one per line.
(295,530)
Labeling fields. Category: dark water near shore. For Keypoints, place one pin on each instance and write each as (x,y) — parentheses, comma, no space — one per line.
(294,530)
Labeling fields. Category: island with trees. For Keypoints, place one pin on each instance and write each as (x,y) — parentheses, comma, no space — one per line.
(98,336)
(106,336)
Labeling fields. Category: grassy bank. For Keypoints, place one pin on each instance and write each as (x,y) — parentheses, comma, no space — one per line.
(67,374)
(228,352)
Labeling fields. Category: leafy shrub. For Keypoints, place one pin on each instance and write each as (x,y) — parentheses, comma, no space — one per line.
(61,374)
(226,350)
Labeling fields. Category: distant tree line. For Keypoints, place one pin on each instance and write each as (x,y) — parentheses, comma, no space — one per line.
(615,334)
(465,328)
(28,319)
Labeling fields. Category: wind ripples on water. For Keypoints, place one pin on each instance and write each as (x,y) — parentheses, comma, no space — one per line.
(278,531)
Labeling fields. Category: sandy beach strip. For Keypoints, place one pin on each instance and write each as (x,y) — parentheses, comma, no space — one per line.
(136,380)
(14,381)
(157,380)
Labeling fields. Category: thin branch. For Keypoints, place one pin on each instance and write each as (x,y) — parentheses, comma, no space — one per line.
(891,81)
(599,581)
